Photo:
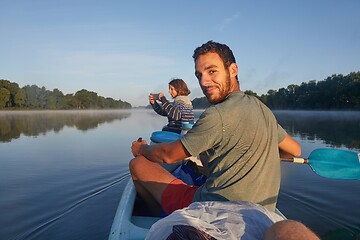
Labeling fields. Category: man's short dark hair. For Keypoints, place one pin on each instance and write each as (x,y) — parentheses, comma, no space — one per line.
(222,50)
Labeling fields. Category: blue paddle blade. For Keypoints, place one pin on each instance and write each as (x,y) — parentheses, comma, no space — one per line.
(335,163)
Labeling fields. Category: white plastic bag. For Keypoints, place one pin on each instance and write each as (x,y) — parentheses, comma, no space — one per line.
(221,220)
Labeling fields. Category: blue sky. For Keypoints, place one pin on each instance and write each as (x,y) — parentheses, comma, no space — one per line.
(127,49)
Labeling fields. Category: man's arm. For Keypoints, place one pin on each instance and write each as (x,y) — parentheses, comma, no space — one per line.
(289,148)
(161,152)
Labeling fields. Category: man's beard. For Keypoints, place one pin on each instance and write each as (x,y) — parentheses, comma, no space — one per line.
(223,92)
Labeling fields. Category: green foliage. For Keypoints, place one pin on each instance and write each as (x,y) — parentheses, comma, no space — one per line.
(4,97)
(19,98)
(251,93)
(33,97)
(200,103)
(86,99)
(335,92)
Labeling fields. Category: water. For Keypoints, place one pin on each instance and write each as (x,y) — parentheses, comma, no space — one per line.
(62,172)
(328,206)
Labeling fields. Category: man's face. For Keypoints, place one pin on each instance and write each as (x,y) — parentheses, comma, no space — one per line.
(213,78)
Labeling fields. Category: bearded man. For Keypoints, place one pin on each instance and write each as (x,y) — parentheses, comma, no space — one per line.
(237,138)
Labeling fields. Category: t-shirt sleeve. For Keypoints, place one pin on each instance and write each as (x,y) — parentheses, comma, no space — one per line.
(205,134)
(281,133)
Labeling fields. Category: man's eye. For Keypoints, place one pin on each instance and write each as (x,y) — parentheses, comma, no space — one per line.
(212,71)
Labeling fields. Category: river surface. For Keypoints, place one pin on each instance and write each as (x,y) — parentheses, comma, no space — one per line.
(62,173)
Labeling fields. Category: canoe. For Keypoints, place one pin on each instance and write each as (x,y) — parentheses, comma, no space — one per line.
(126,225)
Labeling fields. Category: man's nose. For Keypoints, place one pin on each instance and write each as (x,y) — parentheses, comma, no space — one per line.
(204,80)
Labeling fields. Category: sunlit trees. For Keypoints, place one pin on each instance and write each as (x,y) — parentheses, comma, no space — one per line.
(335,92)
(7,91)
(86,99)
(4,98)
(70,102)
(34,97)
(19,98)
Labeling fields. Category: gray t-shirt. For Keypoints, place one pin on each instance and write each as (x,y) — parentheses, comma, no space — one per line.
(237,140)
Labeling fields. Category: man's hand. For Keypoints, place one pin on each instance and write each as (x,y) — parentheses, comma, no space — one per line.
(135,147)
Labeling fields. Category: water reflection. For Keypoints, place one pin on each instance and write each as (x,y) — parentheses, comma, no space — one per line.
(336,129)
(35,123)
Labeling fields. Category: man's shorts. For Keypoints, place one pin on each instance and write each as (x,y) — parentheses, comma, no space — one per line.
(177,195)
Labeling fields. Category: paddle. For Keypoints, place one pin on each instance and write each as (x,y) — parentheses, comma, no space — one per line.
(332,163)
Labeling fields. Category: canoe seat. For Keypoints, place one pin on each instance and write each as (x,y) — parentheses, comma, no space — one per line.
(144,222)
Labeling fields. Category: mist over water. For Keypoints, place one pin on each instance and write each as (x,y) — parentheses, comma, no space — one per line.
(335,128)
(62,172)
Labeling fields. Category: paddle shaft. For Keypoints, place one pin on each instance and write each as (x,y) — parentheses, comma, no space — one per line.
(296,160)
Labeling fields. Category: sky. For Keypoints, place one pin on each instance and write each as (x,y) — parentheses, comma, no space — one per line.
(127,49)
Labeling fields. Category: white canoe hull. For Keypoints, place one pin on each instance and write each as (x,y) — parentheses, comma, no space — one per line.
(125,226)
(128,227)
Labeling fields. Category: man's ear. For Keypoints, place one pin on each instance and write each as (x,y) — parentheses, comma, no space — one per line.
(233,70)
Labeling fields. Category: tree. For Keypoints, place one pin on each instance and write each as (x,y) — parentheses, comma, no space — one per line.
(31,100)
(251,93)
(59,99)
(86,99)
(70,102)
(13,88)
(200,103)
(19,98)
(4,97)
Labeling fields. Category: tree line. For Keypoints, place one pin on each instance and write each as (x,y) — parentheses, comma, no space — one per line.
(336,92)
(34,97)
